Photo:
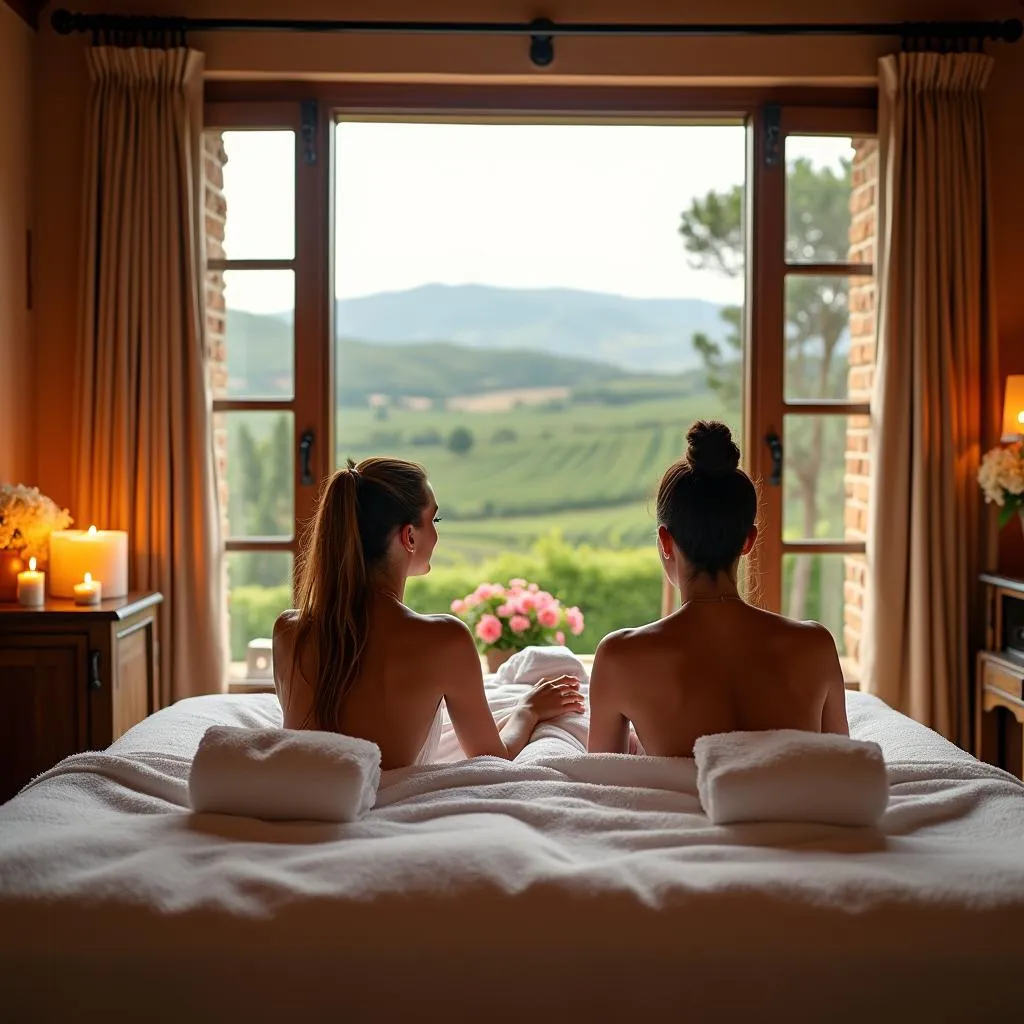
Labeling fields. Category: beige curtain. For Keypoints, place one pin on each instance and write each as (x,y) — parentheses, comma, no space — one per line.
(934,369)
(143,460)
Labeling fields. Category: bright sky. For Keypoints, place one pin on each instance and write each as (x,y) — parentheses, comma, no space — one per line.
(594,207)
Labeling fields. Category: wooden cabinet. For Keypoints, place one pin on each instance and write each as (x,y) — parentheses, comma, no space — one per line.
(73,678)
(999,678)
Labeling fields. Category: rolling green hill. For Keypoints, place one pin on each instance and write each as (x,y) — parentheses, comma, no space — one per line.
(442,370)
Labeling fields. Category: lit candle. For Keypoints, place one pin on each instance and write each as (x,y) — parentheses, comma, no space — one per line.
(89,591)
(102,553)
(31,586)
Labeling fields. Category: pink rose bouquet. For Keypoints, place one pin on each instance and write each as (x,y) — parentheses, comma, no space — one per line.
(509,618)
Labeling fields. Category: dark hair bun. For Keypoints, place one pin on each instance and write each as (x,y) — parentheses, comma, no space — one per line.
(712,450)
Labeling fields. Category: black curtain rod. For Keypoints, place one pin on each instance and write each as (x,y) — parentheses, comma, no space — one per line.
(541,32)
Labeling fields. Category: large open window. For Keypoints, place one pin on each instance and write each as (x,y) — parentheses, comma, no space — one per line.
(529,310)
(536,308)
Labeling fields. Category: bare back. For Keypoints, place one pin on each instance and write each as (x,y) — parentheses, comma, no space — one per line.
(410,664)
(404,676)
(712,667)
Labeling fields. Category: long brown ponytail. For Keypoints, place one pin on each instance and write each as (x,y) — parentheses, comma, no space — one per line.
(358,511)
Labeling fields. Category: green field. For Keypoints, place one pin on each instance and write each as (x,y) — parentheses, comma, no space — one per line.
(572,458)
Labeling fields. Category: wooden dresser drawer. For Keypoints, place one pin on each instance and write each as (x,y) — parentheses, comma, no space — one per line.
(1001,677)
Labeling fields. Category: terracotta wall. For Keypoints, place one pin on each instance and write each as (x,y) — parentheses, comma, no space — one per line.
(60,89)
(17,451)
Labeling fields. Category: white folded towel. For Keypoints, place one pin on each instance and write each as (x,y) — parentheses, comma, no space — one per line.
(789,775)
(284,774)
(532,664)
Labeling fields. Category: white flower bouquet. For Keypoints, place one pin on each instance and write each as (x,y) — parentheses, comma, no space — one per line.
(1002,480)
(27,518)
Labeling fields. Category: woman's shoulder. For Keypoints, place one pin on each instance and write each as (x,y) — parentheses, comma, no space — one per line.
(285,625)
(440,626)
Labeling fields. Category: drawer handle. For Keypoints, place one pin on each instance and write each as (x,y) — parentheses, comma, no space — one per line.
(95,679)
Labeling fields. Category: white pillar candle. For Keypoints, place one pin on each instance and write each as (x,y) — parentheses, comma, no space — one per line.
(101,553)
(89,591)
(31,586)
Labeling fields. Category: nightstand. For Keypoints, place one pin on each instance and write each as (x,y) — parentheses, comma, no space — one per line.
(73,678)
(999,679)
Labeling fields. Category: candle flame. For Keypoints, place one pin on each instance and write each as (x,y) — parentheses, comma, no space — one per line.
(31,565)
(92,531)
(88,577)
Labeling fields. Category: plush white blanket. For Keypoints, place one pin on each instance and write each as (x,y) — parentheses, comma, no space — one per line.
(562,887)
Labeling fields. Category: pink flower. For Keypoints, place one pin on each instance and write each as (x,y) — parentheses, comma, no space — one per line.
(488,629)
(506,610)
(527,603)
(472,600)
(548,617)
(488,590)
(544,599)
(533,588)
(517,583)
(575,619)
(560,638)
(518,623)
(458,606)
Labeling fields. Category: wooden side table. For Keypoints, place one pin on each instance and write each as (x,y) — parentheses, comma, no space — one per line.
(73,678)
(999,679)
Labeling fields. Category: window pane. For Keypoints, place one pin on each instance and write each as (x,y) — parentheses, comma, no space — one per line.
(818,484)
(827,589)
(260,472)
(259,589)
(826,209)
(259,195)
(250,317)
(818,335)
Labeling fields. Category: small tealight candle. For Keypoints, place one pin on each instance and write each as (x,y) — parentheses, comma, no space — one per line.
(31,586)
(89,591)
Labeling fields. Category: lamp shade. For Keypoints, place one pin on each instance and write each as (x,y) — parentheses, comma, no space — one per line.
(1013,409)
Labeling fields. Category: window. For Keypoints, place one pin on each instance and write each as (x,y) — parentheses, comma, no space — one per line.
(536,308)
(260,336)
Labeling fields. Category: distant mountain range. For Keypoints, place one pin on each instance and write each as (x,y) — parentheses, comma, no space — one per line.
(416,341)
(638,335)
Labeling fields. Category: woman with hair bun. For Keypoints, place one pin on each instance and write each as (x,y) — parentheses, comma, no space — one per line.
(717,664)
(353,658)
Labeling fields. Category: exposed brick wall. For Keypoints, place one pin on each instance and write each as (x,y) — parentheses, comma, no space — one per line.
(214,159)
(863,233)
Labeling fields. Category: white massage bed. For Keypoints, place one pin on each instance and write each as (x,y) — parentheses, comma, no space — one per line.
(558,888)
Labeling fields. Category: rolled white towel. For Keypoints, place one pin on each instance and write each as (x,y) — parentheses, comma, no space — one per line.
(284,774)
(789,775)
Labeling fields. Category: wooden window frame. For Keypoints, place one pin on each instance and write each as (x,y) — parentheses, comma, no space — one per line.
(804,110)
(765,366)
(310,400)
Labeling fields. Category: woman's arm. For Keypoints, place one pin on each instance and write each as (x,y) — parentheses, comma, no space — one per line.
(609,728)
(833,714)
(467,702)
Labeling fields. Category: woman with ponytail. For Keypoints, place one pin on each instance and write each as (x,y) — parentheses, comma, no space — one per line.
(717,664)
(352,658)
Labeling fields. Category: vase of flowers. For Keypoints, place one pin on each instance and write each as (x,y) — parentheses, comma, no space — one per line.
(1002,480)
(505,619)
(27,518)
